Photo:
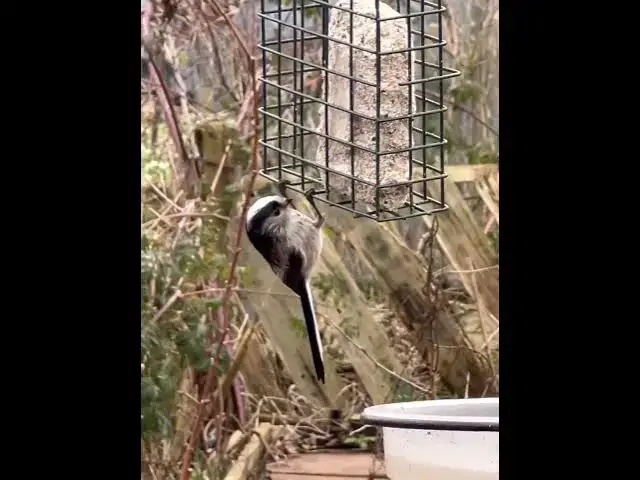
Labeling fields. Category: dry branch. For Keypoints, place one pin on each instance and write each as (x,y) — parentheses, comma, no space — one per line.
(241,351)
(463,241)
(484,191)
(233,262)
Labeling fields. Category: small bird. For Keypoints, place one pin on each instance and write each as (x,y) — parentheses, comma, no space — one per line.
(290,242)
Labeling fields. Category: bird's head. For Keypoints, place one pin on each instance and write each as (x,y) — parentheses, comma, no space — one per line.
(268,214)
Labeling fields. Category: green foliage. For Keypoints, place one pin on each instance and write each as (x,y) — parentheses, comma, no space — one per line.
(211,237)
(494,238)
(177,333)
(361,441)
(481,154)
(330,232)
(467,92)
(173,340)
(323,285)
(154,169)
(350,328)
(330,286)
(403,393)
(309,11)
(298,326)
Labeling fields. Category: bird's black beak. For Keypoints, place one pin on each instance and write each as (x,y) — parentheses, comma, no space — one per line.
(287,202)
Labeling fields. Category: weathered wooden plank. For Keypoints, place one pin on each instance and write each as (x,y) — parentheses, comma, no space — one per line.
(467,247)
(247,461)
(484,191)
(336,465)
(470,173)
(402,274)
(351,313)
(405,275)
(257,370)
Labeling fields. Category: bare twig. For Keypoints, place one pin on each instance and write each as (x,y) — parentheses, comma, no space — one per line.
(466,387)
(378,364)
(471,271)
(216,51)
(159,217)
(231,280)
(167,199)
(166,306)
(182,215)
(483,327)
(489,224)
(241,290)
(167,106)
(473,115)
(223,160)
(241,350)
(490,338)
(154,223)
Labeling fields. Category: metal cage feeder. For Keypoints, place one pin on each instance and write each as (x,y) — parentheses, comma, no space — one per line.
(352,103)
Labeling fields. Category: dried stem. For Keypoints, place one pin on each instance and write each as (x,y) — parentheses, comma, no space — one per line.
(231,280)
(378,364)
(163,95)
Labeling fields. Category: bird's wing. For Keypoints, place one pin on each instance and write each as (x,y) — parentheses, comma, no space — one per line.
(300,285)
(266,245)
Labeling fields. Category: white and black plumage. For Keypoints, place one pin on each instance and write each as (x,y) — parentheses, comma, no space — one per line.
(290,242)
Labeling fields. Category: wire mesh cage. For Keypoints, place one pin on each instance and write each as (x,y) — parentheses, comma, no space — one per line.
(352,103)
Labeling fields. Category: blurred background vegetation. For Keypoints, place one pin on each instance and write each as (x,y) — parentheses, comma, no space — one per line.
(407,310)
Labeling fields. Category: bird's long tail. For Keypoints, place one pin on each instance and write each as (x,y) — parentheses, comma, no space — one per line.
(312,330)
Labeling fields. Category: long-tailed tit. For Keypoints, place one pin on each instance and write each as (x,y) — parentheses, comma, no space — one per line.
(290,242)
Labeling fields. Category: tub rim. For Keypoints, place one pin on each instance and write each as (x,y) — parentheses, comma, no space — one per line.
(389,415)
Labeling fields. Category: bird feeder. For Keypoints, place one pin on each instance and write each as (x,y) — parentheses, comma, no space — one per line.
(352,103)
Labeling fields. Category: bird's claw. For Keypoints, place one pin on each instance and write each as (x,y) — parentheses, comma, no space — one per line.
(282,187)
(309,196)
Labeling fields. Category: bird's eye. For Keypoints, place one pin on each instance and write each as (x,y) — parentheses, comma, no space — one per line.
(276,212)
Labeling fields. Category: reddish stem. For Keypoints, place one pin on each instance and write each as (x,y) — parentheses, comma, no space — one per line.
(230,283)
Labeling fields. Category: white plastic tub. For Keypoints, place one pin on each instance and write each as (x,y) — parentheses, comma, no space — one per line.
(439,439)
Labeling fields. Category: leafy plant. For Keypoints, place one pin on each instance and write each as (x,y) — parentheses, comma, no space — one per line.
(174,331)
